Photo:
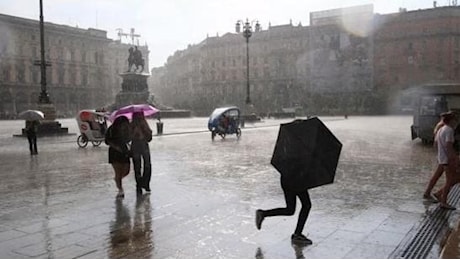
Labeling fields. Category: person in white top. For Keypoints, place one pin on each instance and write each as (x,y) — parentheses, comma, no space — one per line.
(447,157)
(439,169)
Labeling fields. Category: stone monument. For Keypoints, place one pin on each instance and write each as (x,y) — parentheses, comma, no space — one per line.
(134,88)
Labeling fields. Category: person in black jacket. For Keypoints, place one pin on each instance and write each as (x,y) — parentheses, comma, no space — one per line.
(118,138)
(31,132)
(141,136)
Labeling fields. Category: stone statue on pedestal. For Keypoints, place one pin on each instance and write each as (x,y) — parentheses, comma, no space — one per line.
(135,58)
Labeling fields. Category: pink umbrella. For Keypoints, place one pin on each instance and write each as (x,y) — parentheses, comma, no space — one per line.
(128,111)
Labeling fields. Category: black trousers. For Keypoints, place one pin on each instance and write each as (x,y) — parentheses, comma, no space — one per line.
(141,157)
(32,143)
(289,210)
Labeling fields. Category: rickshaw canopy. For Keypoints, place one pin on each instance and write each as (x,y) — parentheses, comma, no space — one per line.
(90,115)
(218,112)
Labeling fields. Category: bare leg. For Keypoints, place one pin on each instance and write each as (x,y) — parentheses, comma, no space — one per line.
(119,171)
(450,176)
(434,179)
(125,170)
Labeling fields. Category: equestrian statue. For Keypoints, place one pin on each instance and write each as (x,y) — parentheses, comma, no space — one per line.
(135,58)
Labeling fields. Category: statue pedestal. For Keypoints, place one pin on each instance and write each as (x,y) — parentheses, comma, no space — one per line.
(134,90)
(49,110)
(48,126)
(249,114)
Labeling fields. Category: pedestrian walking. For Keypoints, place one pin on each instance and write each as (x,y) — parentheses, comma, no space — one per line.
(439,168)
(31,132)
(447,160)
(118,138)
(290,196)
(141,136)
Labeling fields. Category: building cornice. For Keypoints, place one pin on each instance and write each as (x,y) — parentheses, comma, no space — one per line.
(15,21)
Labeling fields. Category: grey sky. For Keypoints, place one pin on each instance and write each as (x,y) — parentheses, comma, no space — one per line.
(169,25)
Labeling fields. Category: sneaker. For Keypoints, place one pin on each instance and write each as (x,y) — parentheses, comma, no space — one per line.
(147,189)
(300,239)
(259,218)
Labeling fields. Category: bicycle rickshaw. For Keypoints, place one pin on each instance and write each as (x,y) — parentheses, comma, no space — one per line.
(92,127)
(225,121)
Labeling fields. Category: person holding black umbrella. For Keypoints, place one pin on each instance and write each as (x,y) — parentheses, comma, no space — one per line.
(290,195)
(306,155)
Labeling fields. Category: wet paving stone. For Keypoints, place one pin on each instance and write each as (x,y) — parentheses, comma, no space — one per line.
(61,203)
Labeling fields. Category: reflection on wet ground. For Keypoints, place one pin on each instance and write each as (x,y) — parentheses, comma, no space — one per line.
(131,237)
(61,203)
(298,251)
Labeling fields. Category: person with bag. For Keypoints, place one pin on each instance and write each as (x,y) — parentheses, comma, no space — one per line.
(141,136)
(118,138)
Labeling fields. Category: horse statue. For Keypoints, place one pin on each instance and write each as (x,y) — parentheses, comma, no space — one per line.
(135,58)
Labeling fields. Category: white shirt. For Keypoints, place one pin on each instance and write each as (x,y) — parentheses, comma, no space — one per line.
(444,135)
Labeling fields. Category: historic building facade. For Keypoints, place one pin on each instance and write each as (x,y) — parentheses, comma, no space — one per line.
(290,66)
(83,73)
(347,60)
(341,71)
(213,72)
(416,47)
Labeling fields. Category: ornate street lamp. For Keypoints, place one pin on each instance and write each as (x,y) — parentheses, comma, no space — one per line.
(247,33)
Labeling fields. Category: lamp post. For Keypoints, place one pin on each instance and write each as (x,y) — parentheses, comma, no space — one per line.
(247,33)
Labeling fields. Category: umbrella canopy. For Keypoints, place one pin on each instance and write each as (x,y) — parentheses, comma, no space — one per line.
(306,154)
(32,115)
(128,111)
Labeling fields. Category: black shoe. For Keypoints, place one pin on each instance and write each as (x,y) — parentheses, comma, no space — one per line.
(448,207)
(259,218)
(139,191)
(300,239)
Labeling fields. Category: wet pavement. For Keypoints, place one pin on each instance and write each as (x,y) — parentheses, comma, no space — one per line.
(61,203)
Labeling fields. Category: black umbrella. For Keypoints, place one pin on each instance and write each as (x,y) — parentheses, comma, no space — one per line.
(306,154)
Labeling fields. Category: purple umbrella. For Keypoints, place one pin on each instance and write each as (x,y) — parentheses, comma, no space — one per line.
(128,111)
